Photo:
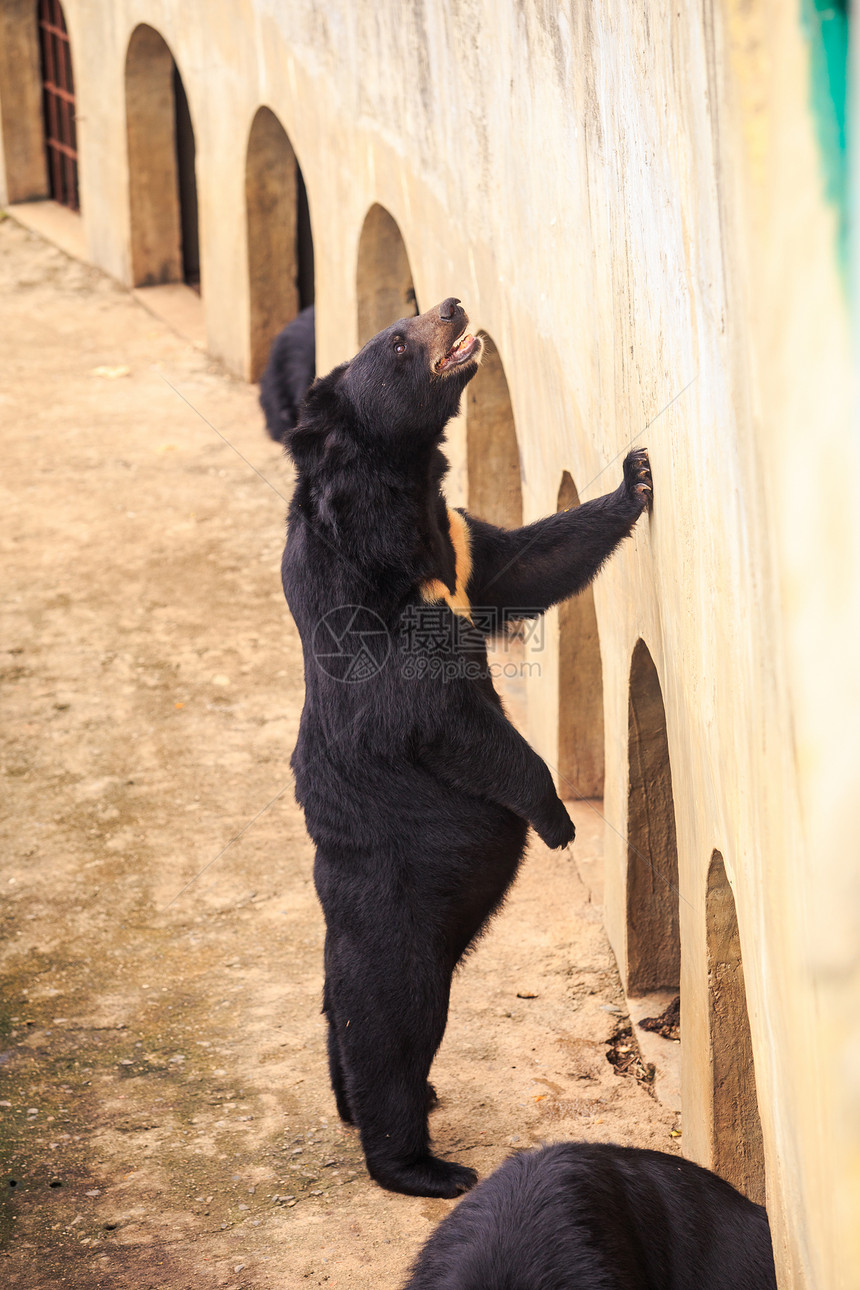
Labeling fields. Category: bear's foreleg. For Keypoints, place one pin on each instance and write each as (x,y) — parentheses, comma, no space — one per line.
(521,572)
(476,750)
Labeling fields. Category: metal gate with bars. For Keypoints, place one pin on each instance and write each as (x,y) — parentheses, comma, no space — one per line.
(58,101)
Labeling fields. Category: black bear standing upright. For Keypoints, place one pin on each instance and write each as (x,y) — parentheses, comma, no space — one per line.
(594,1216)
(288,374)
(417,790)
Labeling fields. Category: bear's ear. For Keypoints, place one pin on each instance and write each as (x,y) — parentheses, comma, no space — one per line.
(321,412)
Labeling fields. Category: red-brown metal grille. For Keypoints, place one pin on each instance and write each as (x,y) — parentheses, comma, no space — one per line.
(58,101)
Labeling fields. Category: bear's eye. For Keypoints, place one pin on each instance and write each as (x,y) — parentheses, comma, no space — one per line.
(399,347)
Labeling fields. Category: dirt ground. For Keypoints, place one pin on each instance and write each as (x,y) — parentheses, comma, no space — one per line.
(166,1117)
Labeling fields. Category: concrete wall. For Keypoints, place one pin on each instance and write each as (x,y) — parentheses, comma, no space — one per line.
(632,201)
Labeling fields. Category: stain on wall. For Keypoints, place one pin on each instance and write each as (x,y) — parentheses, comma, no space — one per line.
(826,25)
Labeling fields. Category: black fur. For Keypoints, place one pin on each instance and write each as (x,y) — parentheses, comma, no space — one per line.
(289,373)
(587,1216)
(417,791)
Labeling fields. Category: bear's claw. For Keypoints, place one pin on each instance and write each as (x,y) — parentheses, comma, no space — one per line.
(637,478)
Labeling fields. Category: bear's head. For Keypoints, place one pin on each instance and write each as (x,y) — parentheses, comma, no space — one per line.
(398,393)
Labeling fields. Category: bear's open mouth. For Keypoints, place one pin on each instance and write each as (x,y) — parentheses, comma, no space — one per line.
(460,352)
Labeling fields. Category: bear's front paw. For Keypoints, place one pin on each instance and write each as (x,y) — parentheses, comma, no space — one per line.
(555,827)
(637,478)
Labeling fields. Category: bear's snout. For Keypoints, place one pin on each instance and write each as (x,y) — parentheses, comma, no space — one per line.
(449,308)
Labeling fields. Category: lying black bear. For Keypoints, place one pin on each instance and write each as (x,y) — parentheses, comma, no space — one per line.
(417,791)
(590,1216)
(288,374)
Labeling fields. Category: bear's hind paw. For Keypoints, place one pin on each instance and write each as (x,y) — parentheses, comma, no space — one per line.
(428,1177)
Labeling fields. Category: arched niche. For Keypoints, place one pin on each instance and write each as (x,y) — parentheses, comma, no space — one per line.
(492,454)
(653,932)
(280,245)
(384,286)
(22,123)
(737,1152)
(161,165)
(580,686)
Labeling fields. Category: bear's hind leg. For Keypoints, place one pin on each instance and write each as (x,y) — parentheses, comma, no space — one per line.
(388,1029)
(398,1156)
(335,1064)
(338,1082)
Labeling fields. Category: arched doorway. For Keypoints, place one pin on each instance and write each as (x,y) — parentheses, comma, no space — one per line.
(653,930)
(280,244)
(186,175)
(58,105)
(494,493)
(161,165)
(384,286)
(737,1151)
(580,686)
(492,454)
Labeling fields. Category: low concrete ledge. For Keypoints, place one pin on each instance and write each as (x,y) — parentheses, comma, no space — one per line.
(663,1054)
(173,303)
(55,223)
(177,305)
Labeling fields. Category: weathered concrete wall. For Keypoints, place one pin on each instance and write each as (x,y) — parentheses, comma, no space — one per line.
(630,199)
